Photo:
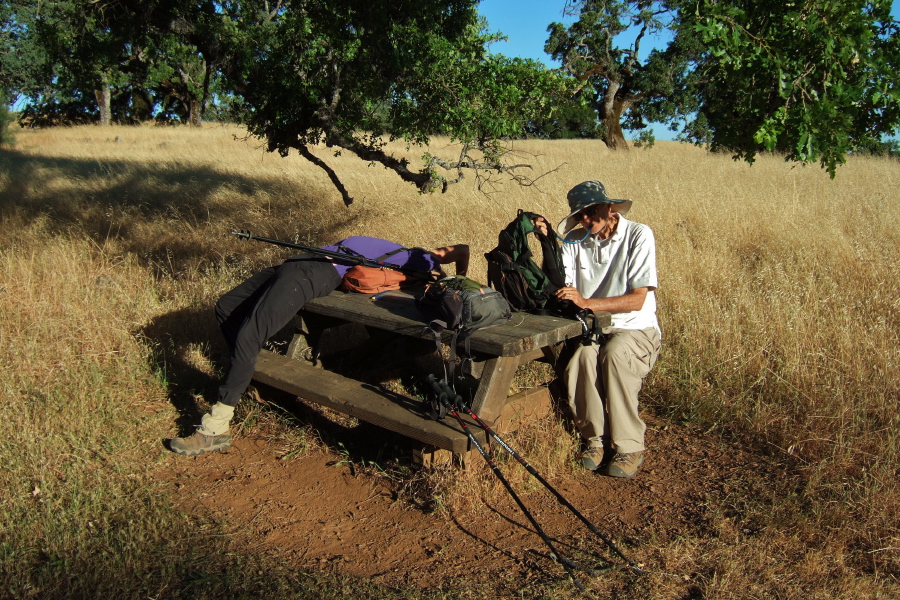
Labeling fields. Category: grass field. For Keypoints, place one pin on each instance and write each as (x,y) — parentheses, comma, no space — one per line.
(778,301)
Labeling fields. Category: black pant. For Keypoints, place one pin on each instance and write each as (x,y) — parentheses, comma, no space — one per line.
(258,308)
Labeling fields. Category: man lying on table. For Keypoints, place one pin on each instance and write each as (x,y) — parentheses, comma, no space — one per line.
(263,304)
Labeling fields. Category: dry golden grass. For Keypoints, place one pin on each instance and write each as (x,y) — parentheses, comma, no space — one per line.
(777,299)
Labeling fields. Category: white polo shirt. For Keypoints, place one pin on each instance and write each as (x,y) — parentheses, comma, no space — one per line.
(614,267)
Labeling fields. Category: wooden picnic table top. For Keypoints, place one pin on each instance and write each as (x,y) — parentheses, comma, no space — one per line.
(397,312)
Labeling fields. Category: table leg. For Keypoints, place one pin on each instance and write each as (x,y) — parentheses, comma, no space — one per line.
(493,388)
(301,346)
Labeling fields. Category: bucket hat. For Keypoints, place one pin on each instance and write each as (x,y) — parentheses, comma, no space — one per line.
(588,193)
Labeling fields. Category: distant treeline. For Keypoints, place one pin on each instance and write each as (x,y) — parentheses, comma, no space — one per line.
(814,82)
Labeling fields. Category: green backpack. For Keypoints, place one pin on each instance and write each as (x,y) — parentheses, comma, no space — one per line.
(513,272)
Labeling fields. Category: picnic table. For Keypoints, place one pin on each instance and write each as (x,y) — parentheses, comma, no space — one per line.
(394,327)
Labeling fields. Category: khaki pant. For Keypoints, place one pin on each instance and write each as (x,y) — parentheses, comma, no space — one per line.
(217,420)
(603,384)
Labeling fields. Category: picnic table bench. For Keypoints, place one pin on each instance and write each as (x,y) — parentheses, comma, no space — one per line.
(497,352)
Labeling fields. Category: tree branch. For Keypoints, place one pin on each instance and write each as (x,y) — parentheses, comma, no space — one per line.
(305,153)
(422,180)
(426,180)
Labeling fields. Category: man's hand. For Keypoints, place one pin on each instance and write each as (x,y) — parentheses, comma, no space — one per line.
(541,225)
(573,295)
(629,302)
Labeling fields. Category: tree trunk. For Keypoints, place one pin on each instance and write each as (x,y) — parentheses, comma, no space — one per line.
(611,112)
(194,113)
(103,96)
(613,136)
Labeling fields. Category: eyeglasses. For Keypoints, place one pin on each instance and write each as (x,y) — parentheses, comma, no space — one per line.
(590,211)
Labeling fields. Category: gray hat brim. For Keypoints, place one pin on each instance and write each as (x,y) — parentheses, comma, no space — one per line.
(569,222)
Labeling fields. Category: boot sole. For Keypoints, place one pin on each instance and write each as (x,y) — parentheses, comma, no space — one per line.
(198,452)
(589,464)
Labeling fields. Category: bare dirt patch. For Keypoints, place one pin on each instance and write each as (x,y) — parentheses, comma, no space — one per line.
(337,509)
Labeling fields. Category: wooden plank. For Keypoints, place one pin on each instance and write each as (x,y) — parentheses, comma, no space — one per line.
(493,388)
(523,333)
(397,413)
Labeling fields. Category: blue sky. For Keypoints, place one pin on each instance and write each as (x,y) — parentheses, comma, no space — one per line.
(525,22)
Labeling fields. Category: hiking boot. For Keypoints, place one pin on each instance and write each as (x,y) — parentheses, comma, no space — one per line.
(198,443)
(594,458)
(625,465)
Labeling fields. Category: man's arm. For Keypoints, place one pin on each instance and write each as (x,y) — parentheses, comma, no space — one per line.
(629,302)
(458,254)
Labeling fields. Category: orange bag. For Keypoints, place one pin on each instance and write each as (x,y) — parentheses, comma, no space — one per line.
(371,280)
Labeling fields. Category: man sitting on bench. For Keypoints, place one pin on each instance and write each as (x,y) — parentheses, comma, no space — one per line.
(263,304)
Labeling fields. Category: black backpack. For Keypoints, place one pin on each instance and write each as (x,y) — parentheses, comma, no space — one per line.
(513,272)
(461,305)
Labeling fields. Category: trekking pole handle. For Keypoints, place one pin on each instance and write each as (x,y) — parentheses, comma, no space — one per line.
(437,389)
(455,398)
(443,391)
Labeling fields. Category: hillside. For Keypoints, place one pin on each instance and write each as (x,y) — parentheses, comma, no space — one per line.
(772,461)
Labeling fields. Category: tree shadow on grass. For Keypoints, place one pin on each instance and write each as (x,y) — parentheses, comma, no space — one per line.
(173,218)
(163,212)
(179,340)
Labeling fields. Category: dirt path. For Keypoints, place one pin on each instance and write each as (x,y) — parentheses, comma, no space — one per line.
(323,512)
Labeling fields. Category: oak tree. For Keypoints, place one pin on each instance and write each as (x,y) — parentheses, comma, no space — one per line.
(623,72)
(811,79)
(353,75)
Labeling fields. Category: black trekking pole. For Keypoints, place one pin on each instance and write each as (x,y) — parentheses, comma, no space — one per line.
(343,257)
(562,500)
(445,395)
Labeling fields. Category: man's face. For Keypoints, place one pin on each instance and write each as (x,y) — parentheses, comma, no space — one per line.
(595,217)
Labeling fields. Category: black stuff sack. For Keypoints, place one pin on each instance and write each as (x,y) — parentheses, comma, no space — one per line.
(461,305)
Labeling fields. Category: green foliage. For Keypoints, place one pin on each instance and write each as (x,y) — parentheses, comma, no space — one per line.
(6,136)
(888,148)
(19,55)
(86,43)
(60,109)
(59,53)
(474,98)
(572,118)
(814,80)
(351,77)
(645,139)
